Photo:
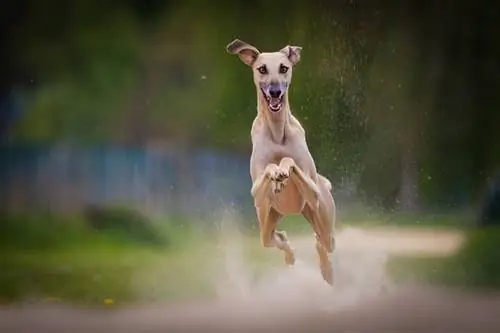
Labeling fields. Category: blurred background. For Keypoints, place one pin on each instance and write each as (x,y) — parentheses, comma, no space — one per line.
(137,102)
(123,111)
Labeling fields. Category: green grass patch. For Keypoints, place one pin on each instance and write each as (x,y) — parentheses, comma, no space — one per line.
(90,276)
(475,265)
(66,258)
(122,258)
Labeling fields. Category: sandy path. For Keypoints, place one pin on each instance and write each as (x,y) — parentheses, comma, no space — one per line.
(296,300)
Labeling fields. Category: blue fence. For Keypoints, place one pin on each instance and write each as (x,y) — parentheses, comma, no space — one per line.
(160,181)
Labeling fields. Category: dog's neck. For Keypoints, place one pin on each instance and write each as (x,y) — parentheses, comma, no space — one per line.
(277,123)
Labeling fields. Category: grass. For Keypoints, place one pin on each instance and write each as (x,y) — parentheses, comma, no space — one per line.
(44,257)
(90,276)
(64,259)
(476,265)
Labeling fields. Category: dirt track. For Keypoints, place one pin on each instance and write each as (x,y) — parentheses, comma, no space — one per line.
(295,299)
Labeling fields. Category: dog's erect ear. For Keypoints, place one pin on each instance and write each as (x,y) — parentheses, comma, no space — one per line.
(247,53)
(293,53)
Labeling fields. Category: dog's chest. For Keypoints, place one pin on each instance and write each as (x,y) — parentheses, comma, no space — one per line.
(294,150)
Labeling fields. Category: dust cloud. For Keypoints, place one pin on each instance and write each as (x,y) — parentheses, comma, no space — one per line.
(359,273)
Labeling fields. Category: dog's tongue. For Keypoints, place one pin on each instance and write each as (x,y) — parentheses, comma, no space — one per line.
(274,101)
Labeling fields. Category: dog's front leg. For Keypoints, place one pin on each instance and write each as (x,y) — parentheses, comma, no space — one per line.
(270,237)
(271,180)
(262,185)
(267,216)
(260,188)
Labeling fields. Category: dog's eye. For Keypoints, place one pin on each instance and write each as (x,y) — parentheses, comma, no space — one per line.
(262,69)
(283,69)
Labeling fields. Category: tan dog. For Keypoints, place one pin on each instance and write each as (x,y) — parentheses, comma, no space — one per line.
(283,172)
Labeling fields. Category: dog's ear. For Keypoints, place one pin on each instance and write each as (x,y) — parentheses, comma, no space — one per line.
(247,53)
(292,52)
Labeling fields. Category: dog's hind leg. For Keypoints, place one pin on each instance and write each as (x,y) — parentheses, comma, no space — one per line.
(321,233)
(322,221)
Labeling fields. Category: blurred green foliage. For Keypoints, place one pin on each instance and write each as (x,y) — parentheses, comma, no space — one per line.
(42,231)
(383,96)
(104,73)
(127,223)
(34,233)
(478,263)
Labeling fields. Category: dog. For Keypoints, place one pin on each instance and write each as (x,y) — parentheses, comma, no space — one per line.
(284,176)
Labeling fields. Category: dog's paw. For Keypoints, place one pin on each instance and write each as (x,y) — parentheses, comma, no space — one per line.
(280,175)
(277,186)
(279,180)
(327,271)
(289,258)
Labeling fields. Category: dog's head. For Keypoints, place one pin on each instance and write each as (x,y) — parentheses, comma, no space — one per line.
(272,71)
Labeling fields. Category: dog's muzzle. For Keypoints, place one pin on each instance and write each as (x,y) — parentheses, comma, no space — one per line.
(274,93)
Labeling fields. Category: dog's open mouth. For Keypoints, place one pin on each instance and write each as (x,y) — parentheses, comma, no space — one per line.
(274,103)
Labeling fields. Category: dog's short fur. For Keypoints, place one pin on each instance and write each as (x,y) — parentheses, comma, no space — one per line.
(283,172)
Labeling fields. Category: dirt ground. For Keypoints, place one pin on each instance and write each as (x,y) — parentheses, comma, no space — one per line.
(296,299)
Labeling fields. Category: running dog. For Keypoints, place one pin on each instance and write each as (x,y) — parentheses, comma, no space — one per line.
(284,176)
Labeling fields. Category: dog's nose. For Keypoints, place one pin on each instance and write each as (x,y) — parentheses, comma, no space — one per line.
(275,92)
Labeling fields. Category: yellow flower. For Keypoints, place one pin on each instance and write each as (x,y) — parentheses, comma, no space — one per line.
(109,301)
